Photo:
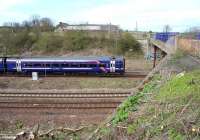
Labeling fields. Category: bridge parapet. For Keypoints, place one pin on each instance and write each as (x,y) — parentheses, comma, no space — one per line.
(165,41)
(165,47)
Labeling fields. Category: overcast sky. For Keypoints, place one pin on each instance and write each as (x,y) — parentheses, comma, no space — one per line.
(149,14)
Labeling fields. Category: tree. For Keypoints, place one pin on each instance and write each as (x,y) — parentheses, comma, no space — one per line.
(26,24)
(6,36)
(35,21)
(128,43)
(46,24)
(167,28)
(195,29)
(35,25)
(14,26)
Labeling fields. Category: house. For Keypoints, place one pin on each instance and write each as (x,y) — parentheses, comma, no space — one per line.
(64,27)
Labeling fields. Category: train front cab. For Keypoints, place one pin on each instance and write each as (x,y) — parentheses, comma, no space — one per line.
(1,65)
(117,66)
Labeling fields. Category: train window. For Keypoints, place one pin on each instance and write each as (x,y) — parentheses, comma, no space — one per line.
(43,65)
(37,65)
(92,65)
(83,65)
(102,65)
(55,65)
(28,65)
(64,65)
(48,65)
(74,65)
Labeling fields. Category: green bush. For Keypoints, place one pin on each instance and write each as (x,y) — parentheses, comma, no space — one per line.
(180,87)
(26,40)
(127,43)
(174,135)
(41,43)
(131,103)
(75,41)
(19,124)
(54,43)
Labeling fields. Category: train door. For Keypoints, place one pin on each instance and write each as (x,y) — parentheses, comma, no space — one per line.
(112,66)
(18,65)
(4,64)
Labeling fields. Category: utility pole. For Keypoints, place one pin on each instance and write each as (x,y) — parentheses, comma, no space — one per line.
(136,29)
(136,26)
(154,58)
(109,30)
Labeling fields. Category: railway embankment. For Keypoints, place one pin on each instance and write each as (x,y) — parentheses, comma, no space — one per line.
(166,105)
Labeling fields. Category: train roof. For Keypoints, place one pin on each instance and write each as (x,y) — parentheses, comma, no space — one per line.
(100,58)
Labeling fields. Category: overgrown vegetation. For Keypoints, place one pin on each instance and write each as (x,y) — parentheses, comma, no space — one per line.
(19,124)
(163,110)
(64,134)
(123,111)
(174,112)
(132,102)
(70,41)
(177,56)
(127,44)
(181,87)
(61,136)
(37,36)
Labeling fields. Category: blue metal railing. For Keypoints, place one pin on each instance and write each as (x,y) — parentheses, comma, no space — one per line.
(164,36)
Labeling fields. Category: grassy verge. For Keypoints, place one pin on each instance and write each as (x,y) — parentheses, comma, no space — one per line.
(68,83)
(163,110)
(173,112)
(132,103)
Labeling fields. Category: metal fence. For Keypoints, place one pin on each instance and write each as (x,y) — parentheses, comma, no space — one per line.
(164,36)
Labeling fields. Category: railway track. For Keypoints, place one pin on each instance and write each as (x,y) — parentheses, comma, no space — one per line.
(61,100)
(59,106)
(65,95)
(129,74)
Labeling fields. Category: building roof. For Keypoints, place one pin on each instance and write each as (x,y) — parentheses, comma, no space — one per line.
(86,24)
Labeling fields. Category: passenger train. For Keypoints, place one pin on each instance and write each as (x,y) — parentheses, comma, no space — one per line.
(63,65)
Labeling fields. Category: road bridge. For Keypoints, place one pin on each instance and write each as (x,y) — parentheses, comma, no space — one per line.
(165,48)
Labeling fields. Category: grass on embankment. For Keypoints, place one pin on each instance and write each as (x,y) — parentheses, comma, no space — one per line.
(173,112)
(163,110)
